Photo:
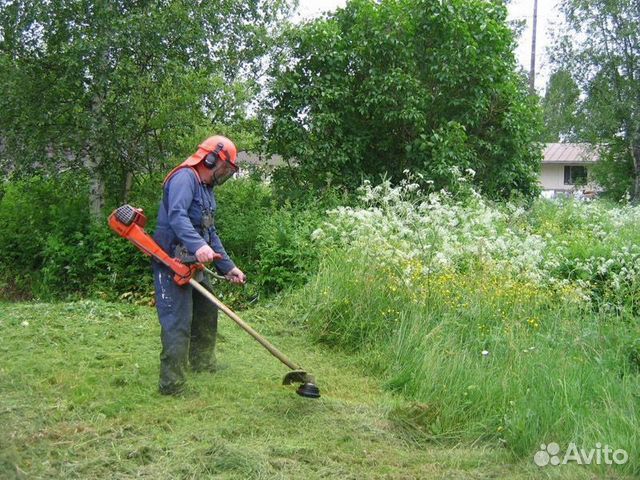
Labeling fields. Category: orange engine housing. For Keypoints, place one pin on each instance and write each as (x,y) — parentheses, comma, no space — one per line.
(128,222)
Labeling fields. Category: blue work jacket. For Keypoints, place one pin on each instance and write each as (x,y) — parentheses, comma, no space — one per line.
(185,202)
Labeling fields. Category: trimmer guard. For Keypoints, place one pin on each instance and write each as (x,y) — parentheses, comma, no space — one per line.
(297,376)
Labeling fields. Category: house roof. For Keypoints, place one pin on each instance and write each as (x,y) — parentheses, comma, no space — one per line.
(255,159)
(574,153)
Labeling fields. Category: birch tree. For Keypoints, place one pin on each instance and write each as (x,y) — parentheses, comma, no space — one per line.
(118,87)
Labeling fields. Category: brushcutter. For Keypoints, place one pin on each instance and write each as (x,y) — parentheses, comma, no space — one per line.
(128,222)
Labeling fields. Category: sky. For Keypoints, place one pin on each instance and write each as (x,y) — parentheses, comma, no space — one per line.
(518,10)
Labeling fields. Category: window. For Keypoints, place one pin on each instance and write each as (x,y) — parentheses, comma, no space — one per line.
(575,175)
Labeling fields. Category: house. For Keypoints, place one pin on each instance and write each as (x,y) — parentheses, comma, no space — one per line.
(565,170)
(249,161)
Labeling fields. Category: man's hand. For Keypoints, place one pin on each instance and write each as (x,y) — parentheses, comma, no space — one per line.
(235,275)
(206,254)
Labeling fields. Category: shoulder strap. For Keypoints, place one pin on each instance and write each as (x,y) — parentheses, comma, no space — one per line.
(175,170)
(168,177)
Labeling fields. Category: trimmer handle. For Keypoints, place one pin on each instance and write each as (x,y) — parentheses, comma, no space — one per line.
(188,259)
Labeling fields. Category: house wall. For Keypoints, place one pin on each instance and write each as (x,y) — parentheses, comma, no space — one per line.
(552,177)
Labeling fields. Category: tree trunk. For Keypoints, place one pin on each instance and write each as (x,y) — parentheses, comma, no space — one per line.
(93,160)
(96,186)
(96,197)
(128,183)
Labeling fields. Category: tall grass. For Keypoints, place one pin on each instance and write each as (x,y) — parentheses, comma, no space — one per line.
(506,326)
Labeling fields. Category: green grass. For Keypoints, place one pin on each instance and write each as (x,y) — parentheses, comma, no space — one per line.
(555,371)
(78,400)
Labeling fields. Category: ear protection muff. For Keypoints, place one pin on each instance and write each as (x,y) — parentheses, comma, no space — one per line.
(212,158)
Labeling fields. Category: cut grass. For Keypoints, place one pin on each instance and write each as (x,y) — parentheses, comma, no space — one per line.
(78,399)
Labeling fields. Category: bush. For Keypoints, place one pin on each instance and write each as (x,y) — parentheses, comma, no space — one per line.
(244,205)
(269,241)
(287,255)
(93,262)
(34,212)
(50,248)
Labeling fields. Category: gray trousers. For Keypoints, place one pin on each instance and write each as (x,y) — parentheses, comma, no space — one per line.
(189,324)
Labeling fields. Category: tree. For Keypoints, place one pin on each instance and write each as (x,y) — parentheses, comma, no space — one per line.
(118,87)
(559,107)
(380,87)
(601,49)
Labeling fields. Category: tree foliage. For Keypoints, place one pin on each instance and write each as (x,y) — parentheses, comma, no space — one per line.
(380,87)
(601,49)
(559,107)
(118,87)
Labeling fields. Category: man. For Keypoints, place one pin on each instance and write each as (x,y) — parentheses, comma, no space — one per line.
(186,224)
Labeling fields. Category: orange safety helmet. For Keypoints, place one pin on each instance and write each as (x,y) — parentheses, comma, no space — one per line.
(210,151)
(215,146)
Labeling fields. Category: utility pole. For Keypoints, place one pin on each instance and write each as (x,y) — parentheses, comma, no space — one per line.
(532,71)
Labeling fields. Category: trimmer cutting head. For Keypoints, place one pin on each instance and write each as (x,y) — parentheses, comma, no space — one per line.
(308,389)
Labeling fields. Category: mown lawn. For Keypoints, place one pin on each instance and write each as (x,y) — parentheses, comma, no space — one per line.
(78,400)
